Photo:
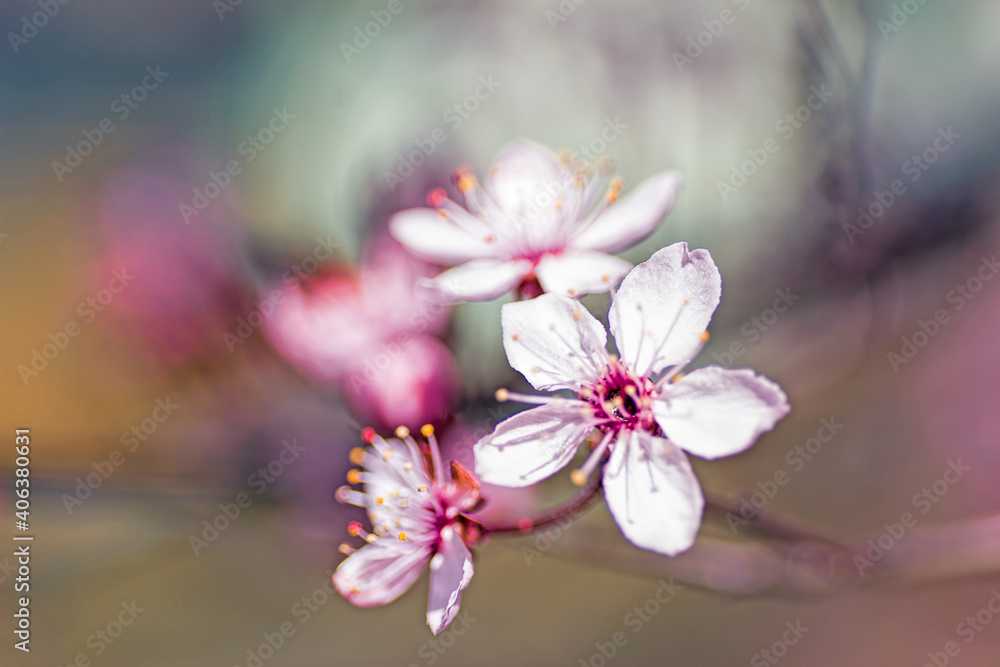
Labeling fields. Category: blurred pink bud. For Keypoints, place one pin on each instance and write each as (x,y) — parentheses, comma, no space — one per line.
(410,383)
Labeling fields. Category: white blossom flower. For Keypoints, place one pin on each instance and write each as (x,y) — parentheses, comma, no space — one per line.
(418,519)
(541,222)
(645,411)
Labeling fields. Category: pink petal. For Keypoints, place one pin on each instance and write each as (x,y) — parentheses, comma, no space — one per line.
(715,412)
(633,218)
(522,174)
(480,279)
(531,445)
(451,572)
(380,572)
(434,238)
(580,272)
(553,342)
(663,307)
(652,493)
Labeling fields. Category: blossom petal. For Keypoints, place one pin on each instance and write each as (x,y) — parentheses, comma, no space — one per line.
(633,218)
(432,237)
(652,493)
(553,342)
(715,412)
(522,173)
(451,571)
(531,445)
(380,572)
(664,306)
(480,279)
(580,272)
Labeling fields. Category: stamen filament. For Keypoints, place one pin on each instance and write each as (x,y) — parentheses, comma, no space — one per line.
(582,474)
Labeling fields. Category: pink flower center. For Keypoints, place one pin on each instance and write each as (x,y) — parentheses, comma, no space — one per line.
(622,400)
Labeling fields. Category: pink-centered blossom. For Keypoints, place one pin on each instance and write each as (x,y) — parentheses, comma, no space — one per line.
(418,519)
(646,412)
(541,222)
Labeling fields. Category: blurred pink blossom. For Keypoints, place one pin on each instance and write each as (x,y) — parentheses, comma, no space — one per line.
(541,222)
(368,332)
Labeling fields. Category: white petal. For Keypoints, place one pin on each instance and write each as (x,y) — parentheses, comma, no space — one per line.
(522,174)
(451,572)
(380,572)
(663,307)
(553,342)
(432,237)
(653,494)
(632,218)
(579,272)
(480,279)
(531,445)
(715,412)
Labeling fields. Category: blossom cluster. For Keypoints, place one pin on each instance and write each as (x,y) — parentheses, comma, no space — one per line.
(543,226)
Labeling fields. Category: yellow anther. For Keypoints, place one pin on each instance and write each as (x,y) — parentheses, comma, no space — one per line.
(354,476)
(379,501)
(466,182)
(502,395)
(704,336)
(357,456)
(615,187)
(578,477)
(402,537)
(427,430)
(402,432)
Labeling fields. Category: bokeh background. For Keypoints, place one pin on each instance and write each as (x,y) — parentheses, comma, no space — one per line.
(694,87)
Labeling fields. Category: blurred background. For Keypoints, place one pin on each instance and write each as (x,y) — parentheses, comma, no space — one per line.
(199,300)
